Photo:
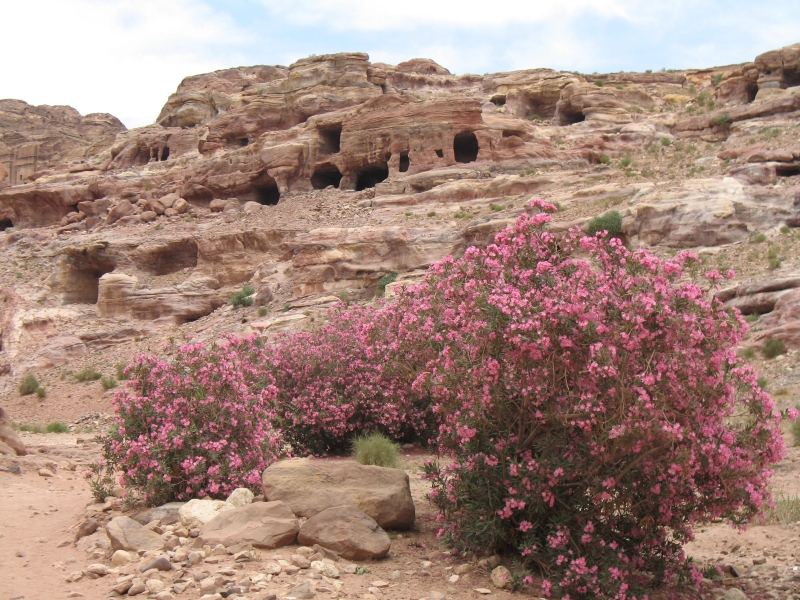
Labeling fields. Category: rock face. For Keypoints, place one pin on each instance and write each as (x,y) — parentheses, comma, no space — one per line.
(348,532)
(262,524)
(9,440)
(126,534)
(309,487)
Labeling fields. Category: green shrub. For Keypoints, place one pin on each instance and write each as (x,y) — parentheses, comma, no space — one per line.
(57,427)
(244,297)
(773,348)
(786,511)
(384,281)
(605,159)
(717,78)
(599,82)
(610,222)
(121,371)
(758,238)
(30,428)
(496,207)
(665,141)
(108,383)
(432,213)
(88,374)
(747,353)
(28,385)
(625,162)
(376,449)
(786,229)
(262,312)
(721,120)
(41,392)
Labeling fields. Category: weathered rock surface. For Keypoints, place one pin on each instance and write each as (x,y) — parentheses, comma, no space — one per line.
(9,438)
(196,512)
(168,514)
(126,534)
(262,524)
(347,531)
(309,487)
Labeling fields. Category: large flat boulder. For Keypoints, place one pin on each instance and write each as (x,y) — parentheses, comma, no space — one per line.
(310,486)
(126,534)
(262,524)
(347,531)
(168,514)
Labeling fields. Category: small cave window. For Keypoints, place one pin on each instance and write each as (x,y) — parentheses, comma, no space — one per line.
(243,142)
(791,77)
(787,170)
(465,147)
(752,90)
(404,162)
(330,140)
(83,280)
(539,110)
(370,177)
(325,175)
(507,133)
(5,224)
(268,195)
(498,100)
(165,153)
(439,153)
(570,118)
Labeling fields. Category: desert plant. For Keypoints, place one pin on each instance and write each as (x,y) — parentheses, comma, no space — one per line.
(88,373)
(716,79)
(747,353)
(599,82)
(762,382)
(773,347)
(57,427)
(605,159)
(758,238)
(28,385)
(785,512)
(722,120)
(625,162)
(108,383)
(610,222)
(496,207)
(197,426)
(262,311)
(100,479)
(785,229)
(41,392)
(384,281)
(243,297)
(121,368)
(376,449)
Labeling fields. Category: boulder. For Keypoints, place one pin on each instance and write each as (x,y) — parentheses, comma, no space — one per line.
(181,206)
(310,486)
(347,531)
(196,513)
(261,524)
(126,534)
(8,436)
(217,205)
(500,578)
(240,497)
(122,209)
(168,514)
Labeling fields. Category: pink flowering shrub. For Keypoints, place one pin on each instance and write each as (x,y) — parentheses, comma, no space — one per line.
(593,405)
(196,426)
(347,378)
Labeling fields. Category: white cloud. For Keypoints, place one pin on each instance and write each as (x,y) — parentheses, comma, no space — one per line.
(119,56)
(372,15)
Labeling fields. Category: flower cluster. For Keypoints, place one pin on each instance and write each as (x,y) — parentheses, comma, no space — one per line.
(197,426)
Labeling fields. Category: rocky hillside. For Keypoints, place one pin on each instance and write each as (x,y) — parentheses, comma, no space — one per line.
(312,183)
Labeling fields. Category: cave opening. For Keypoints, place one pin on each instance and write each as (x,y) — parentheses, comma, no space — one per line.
(83,278)
(167,258)
(513,133)
(405,162)
(5,224)
(787,170)
(370,177)
(498,100)
(267,194)
(570,118)
(537,109)
(439,153)
(325,175)
(330,140)
(751,88)
(165,153)
(791,77)
(243,142)
(465,147)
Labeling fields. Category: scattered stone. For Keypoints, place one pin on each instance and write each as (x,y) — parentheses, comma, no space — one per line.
(120,558)
(45,472)
(734,594)
(484,591)
(329,554)
(240,497)
(453,578)
(86,528)
(500,577)
(137,587)
(155,586)
(126,534)
(161,563)
(74,576)
(303,591)
(326,569)
(380,584)
(310,486)
(167,514)
(97,569)
(759,561)
(301,562)
(347,531)
(196,513)
(263,524)
(494,561)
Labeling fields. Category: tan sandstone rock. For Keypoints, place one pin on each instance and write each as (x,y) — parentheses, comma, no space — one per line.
(347,531)
(126,534)
(262,524)
(9,437)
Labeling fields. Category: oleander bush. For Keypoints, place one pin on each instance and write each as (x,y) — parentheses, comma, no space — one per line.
(198,426)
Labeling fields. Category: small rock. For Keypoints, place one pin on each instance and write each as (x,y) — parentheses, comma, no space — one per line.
(97,569)
(375,591)
(484,591)
(453,578)
(462,569)
(302,591)
(86,528)
(380,584)
(240,497)
(493,561)
(137,587)
(208,585)
(350,569)
(120,558)
(759,561)
(301,562)
(74,595)
(74,576)
(326,569)
(396,576)
(425,564)
(155,586)
(161,563)
(500,576)
(734,594)
(45,472)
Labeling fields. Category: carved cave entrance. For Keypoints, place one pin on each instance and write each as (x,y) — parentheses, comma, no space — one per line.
(325,175)
(787,170)
(465,147)
(82,281)
(165,153)
(370,177)
(404,162)
(571,117)
(266,194)
(330,139)
(5,224)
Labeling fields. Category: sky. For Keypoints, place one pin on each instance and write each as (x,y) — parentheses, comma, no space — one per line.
(126,57)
